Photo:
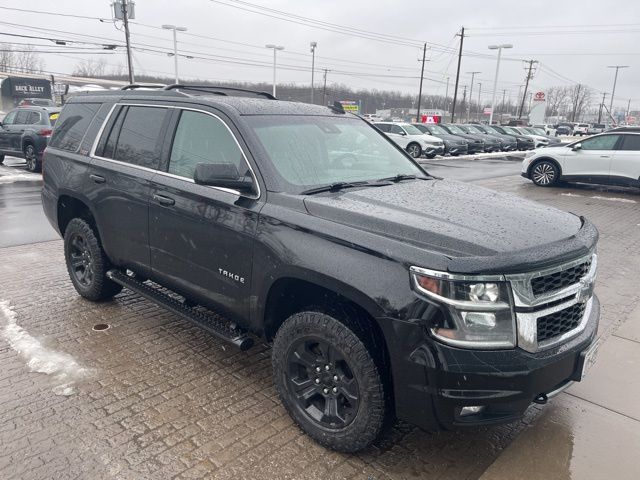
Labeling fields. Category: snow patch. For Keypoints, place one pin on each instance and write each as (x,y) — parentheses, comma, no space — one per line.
(62,367)
(20,177)
(615,199)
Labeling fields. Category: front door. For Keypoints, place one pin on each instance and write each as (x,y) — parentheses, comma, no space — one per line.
(5,131)
(592,160)
(201,237)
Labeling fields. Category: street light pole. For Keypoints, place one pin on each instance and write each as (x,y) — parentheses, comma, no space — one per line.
(613,92)
(275,49)
(495,79)
(313,65)
(175,46)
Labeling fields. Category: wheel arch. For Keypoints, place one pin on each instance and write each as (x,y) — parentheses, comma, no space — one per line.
(71,206)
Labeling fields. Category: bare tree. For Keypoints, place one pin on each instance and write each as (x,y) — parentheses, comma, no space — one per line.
(556,97)
(581,96)
(24,60)
(90,68)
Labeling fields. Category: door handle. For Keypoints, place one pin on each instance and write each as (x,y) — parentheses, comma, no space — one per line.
(605,156)
(97,178)
(162,200)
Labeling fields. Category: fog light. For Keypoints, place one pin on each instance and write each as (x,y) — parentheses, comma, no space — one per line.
(466,411)
(479,319)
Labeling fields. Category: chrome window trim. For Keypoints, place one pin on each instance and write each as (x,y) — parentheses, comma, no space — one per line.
(92,153)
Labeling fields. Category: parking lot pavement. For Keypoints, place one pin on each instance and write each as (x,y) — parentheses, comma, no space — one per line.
(155,397)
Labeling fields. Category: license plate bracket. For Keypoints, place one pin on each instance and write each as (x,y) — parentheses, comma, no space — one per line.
(587,359)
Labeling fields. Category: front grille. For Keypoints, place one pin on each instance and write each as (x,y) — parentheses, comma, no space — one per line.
(558,280)
(560,322)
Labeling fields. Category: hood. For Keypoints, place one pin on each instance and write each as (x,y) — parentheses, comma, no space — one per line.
(450,218)
(452,138)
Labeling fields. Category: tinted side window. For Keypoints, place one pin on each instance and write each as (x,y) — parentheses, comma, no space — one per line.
(631,142)
(139,140)
(34,118)
(72,125)
(9,118)
(385,127)
(22,117)
(202,138)
(396,129)
(603,142)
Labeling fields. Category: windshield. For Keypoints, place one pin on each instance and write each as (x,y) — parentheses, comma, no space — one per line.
(411,130)
(437,130)
(511,130)
(455,129)
(304,152)
(472,129)
(536,131)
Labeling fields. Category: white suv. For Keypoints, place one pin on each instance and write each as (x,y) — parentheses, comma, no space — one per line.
(608,158)
(412,140)
(581,129)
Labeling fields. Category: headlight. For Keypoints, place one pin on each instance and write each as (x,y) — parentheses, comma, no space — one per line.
(478,310)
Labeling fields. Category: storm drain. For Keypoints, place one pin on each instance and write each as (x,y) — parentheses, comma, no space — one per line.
(101,326)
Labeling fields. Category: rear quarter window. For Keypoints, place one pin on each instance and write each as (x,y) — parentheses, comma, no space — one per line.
(72,124)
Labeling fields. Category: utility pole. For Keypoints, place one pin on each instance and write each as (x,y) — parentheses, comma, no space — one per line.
(424,54)
(479,94)
(604,94)
(473,74)
(455,90)
(446,95)
(615,80)
(526,85)
(324,88)
(313,65)
(628,110)
(504,92)
(125,21)
(464,95)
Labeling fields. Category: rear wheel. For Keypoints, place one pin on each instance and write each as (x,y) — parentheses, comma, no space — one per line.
(87,263)
(414,150)
(544,173)
(328,381)
(1,159)
(33,164)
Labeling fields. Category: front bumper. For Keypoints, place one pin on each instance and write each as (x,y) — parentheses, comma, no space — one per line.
(475,148)
(433,382)
(460,149)
(432,150)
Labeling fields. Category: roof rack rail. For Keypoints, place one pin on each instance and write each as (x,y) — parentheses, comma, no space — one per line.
(133,86)
(218,90)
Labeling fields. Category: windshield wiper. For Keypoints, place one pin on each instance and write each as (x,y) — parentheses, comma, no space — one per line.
(398,178)
(337,186)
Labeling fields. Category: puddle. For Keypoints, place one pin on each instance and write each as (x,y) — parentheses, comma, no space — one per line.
(62,367)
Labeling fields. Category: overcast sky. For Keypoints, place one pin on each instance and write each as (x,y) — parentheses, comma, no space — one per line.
(573,41)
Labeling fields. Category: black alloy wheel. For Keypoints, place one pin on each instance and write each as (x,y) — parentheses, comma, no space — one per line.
(31,158)
(322,383)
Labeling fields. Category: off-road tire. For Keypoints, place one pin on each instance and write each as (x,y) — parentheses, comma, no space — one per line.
(370,418)
(82,252)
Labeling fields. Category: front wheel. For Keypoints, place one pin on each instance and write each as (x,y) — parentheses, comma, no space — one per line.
(87,263)
(544,173)
(414,150)
(33,164)
(328,381)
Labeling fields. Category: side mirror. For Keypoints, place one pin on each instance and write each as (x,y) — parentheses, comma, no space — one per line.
(224,175)
(576,147)
(402,132)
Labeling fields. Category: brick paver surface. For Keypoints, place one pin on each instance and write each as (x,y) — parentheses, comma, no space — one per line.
(155,397)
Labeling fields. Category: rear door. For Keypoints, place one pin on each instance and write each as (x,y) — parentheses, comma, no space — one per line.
(126,157)
(201,237)
(625,164)
(592,161)
(17,129)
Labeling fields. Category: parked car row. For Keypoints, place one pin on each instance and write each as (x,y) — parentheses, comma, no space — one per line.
(421,139)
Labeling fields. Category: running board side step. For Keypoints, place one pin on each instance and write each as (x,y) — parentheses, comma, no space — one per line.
(223,330)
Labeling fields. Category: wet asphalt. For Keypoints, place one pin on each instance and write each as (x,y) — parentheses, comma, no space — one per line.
(22,220)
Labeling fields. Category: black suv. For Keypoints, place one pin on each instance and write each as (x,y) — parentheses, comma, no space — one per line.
(25,131)
(385,292)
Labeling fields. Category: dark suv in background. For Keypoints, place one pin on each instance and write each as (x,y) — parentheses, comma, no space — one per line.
(25,132)
(384,291)
(453,145)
